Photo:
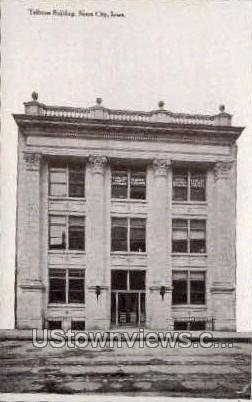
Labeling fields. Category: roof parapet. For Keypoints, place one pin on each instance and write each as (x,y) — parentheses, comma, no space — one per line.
(98,111)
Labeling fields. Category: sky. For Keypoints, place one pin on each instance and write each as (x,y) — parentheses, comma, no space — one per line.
(192,55)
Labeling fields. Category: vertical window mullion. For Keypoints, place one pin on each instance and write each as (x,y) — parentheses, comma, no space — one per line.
(188,288)
(67,232)
(128,193)
(189,186)
(188,235)
(67,177)
(67,286)
(128,239)
(128,280)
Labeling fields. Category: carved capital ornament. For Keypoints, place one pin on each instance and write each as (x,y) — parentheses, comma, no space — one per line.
(222,170)
(97,163)
(161,166)
(32,160)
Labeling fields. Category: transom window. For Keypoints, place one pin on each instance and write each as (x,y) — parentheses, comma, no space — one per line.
(188,236)
(127,280)
(129,184)
(66,286)
(128,234)
(188,287)
(188,185)
(66,180)
(67,232)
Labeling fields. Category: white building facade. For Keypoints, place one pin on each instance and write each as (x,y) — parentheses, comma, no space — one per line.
(125,218)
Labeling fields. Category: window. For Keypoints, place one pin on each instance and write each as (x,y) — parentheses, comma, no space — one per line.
(128,234)
(188,236)
(66,285)
(195,325)
(128,184)
(188,287)
(188,185)
(66,180)
(127,280)
(54,324)
(78,325)
(67,232)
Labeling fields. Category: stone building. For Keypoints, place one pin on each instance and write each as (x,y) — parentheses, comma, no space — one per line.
(125,218)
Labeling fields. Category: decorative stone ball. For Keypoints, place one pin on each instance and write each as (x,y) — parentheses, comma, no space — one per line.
(222,108)
(161,104)
(98,101)
(35,96)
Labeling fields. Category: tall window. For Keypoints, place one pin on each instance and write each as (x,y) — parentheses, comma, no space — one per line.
(188,236)
(66,232)
(129,184)
(66,180)
(128,234)
(188,185)
(66,285)
(188,287)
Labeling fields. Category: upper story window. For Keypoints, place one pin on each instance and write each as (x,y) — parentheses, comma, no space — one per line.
(188,287)
(128,184)
(66,180)
(128,234)
(67,232)
(188,185)
(66,285)
(188,236)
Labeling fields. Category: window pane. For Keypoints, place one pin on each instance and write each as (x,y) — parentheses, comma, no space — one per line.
(119,186)
(137,280)
(57,232)
(197,186)
(76,290)
(180,325)
(137,235)
(119,280)
(78,325)
(57,181)
(179,283)
(197,284)
(119,232)
(179,184)
(197,325)
(57,286)
(76,233)
(76,181)
(179,235)
(197,236)
(138,185)
(54,324)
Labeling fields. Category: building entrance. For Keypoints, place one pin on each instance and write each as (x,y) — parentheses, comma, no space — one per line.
(127,298)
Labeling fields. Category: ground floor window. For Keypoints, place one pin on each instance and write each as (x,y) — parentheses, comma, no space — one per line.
(78,325)
(127,297)
(188,287)
(66,285)
(54,324)
(195,325)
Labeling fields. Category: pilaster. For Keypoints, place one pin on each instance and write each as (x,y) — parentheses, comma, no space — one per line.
(97,297)
(29,285)
(224,267)
(159,246)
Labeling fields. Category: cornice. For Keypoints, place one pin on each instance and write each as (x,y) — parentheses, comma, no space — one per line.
(127,131)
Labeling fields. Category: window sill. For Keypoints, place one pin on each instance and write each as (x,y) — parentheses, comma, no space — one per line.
(66,305)
(128,253)
(189,306)
(189,254)
(66,252)
(129,200)
(189,202)
(54,198)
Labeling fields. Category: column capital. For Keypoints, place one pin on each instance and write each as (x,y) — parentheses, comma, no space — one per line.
(32,160)
(161,166)
(222,169)
(97,163)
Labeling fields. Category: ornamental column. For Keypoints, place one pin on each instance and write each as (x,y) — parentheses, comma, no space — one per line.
(97,295)
(29,286)
(224,235)
(159,247)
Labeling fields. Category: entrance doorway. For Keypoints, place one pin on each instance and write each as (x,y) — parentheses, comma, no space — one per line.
(127,298)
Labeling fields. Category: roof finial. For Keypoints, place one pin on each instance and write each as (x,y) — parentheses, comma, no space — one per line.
(161,104)
(34,96)
(98,101)
(222,108)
